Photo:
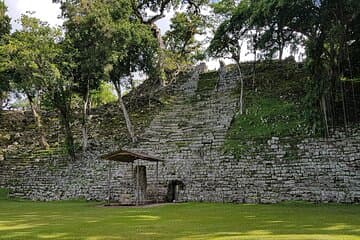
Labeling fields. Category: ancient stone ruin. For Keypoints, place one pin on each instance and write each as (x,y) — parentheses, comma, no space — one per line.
(189,136)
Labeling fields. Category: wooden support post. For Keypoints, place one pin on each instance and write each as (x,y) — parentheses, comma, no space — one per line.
(109,182)
(157,181)
(132,178)
(137,184)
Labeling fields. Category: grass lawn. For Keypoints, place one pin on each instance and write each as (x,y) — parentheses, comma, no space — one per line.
(88,220)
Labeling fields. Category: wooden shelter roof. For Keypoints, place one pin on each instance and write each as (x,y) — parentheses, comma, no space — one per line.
(129,156)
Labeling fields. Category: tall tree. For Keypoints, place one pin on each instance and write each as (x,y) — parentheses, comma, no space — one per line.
(228,40)
(327,28)
(5,25)
(150,11)
(272,17)
(83,30)
(111,41)
(130,48)
(30,66)
(182,49)
(5,28)
(61,91)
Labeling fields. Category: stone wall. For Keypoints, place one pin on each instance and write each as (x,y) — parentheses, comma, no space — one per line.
(189,135)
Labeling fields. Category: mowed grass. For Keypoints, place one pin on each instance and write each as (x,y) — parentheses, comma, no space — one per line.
(89,220)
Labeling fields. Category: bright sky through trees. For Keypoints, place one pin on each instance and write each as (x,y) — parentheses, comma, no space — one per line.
(49,12)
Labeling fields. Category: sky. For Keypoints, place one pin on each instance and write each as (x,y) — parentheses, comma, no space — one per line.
(45,10)
(49,12)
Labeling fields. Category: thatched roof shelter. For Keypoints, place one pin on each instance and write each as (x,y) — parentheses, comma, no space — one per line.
(129,156)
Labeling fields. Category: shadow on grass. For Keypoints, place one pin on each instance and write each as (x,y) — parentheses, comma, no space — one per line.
(81,220)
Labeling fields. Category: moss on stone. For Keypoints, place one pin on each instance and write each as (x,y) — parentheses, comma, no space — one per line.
(265,117)
(207,81)
(4,193)
(181,144)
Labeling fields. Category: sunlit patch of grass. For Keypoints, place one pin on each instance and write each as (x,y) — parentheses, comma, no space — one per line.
(265,117)
(87,221)
(52,236)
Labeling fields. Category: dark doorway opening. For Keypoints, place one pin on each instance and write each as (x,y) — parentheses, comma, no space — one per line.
(174,187)
(140,184)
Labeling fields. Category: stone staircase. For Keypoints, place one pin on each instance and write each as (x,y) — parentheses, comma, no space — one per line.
(189,134)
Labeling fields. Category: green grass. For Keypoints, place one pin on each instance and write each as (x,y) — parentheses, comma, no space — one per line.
(82,220)
(207,81)
(265,117)
(274,109)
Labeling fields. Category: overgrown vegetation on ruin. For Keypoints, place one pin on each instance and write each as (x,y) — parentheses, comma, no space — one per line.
(273,109)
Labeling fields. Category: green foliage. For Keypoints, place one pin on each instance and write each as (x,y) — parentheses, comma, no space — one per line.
(231,32)
(327,29)
(4,193)
(5,25)
(276,109)
(4,31)
(182,49)
(286,79)
(105,94)
(181,36)
(207,81)
(84,32)
(272,18)
(30,54)
(266,116)
(224,8)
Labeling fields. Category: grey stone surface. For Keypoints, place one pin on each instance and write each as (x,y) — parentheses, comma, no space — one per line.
(190,136)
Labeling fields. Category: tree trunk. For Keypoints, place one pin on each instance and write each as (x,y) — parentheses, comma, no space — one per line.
(281,50)
(254,71)
(63,106)
(2,101)
(343,107)
(84,129)
(38,122)
(160,63)
(323,107)
(241,100)
(69,139)
(125,113)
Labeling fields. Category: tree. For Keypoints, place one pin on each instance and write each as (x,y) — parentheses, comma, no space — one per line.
(150,11)
(5,25)
(29,66)
(228,41)
(328,27)
(181,47)
(133,52)
(147,12)
(328,30)
(228,9)
(5,28)
(272,17)
(61,91)
(111,42)
(38,64)
(83,31)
